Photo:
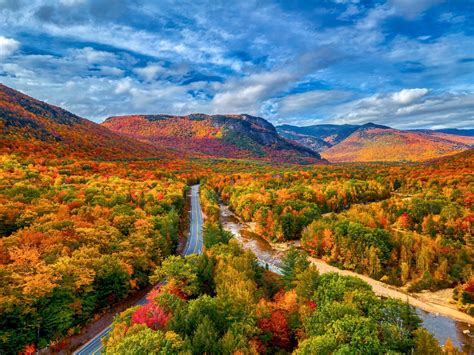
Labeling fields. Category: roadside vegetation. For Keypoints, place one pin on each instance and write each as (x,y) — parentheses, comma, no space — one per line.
(223,302)
(77,237)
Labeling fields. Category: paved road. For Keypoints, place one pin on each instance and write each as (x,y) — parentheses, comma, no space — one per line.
(193,246)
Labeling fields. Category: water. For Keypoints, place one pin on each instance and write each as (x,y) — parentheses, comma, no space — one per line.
(441,327)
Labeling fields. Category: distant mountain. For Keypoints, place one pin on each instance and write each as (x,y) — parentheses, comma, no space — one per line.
(28,125)
(328,133)
(456,131)
(369,144)
(374,142)
(230,136)
(314,143)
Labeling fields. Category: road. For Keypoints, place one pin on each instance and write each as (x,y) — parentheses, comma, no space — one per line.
(193,246)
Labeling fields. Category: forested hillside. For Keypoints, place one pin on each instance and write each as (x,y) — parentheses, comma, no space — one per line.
(405,225)
(384,144)
(223,302)
(377,143)
(229,136)
(29,126)
(76,237)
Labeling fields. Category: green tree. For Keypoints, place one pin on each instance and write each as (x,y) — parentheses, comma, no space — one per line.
(214,234)
(141,340)
(180,272)
(111,281)
(321,345)
(306,282)
(294,262)
(426,343)
(205,339)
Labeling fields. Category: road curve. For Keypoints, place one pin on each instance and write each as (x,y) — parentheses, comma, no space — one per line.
(193,246)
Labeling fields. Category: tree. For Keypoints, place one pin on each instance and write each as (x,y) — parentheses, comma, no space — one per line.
(425,343)
(180,272)
(152,315)
(449,348)
(205,339)
(141,340)
(294,262)
(321,345)
(306,283)
(112,281)
(214,234)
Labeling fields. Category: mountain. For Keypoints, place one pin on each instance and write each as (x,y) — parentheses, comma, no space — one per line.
(374,142)
(317,144)
(229,136)
(456,131)
(29,125)
(371,144)
(329,133)
(460,138)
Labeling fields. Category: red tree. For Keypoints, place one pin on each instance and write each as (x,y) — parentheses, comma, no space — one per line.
(151,315)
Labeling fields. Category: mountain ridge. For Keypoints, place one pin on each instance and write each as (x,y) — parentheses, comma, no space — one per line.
(221,135)
(28,124)
(50,129)
(372,142)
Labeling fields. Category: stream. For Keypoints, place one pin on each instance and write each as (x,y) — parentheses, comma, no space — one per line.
(440,326)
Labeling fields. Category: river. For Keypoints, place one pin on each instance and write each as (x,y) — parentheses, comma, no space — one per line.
(440,326)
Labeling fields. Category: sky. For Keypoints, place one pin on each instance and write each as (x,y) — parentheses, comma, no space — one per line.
(403,63)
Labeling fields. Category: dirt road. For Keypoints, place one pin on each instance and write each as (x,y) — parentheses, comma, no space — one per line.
(385,290)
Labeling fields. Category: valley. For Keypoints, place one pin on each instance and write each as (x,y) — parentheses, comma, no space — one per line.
(439,316)
(249,177)
(88,223)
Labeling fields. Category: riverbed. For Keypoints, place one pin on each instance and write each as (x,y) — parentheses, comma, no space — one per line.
(440,326)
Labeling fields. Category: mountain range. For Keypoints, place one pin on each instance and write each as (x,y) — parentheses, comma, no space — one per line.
(29,125)
(228,136)
(372,142)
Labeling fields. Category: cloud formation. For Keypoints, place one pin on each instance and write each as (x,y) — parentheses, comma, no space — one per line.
(392,62)
(407,96)
(8,46)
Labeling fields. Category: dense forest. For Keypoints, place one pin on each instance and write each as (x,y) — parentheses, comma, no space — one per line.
(404,225)
(77,237)
(223,302)
(80,235)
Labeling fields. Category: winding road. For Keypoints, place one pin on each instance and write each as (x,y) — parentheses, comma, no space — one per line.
(193,246)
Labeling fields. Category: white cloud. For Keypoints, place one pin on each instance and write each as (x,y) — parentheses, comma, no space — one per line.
(246,94)
(407,96)
(444,51)
(449,17)
(72,2)
(8,46)
(411,9)
(92,55)
(123,86)
(374,17)
(150,72)
(305,102)
(449,109)
(112,71)
(17,71)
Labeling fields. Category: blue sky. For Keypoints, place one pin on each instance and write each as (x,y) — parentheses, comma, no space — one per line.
(403,63)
